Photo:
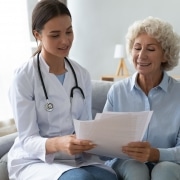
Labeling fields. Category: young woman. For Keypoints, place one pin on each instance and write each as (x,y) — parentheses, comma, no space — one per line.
(47,92)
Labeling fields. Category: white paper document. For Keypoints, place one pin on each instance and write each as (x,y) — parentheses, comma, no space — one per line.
(111,130)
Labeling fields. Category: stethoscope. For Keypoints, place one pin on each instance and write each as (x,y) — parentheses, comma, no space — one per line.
(49,106)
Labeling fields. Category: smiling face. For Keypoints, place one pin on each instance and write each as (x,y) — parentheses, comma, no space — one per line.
(56,37)
(147,56)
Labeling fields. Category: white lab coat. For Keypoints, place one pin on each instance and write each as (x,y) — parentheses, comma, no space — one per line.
(27,158)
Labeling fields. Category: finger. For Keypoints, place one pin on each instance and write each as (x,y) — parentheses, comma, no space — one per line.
(138,144)
(141,154)
(137,153)
(78,149)
(83,147)
(138,156)
(127,149)
(74,140)
(83,142)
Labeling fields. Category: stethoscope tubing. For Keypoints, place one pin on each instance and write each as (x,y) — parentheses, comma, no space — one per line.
(41,78)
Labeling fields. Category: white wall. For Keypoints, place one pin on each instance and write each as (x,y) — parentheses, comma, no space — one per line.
(14,46)
(100,24)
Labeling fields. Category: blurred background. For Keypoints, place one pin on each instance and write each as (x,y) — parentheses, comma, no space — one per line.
(98,26)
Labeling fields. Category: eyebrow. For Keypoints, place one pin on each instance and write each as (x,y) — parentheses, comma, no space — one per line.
(147,44)
(56,31)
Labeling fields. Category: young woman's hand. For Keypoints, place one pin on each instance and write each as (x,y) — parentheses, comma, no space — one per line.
(68,144)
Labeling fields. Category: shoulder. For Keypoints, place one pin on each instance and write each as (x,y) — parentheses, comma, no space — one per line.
(25,71)
(121,87)
(25,67)
(123,83)
(174,83)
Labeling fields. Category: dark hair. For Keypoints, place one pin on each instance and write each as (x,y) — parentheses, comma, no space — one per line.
(44,11)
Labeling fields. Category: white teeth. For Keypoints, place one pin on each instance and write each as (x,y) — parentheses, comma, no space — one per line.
(144,64)
(63,48)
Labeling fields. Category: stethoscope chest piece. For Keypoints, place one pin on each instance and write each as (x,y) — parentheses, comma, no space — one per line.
(48,107)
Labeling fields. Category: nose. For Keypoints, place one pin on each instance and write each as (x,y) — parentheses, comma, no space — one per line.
(142,54)
(64,39)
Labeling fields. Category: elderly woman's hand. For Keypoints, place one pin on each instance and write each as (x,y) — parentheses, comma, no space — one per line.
(141,151)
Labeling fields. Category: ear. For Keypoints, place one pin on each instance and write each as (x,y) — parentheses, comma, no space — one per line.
(37,35)
(165,58)
(164,61)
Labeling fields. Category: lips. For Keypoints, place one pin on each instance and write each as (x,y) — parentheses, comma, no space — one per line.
(63,48)
(143,64)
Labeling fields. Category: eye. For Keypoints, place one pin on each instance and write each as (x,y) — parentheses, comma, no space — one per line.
(69,32)
(55,35)
(137,48)
(151,49)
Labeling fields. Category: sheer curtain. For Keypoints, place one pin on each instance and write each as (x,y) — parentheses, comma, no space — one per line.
(15,46)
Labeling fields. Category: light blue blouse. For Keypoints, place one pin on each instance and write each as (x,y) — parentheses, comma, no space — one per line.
(163,131)
(61,78)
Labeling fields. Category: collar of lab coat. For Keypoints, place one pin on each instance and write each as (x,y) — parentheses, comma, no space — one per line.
(46,65)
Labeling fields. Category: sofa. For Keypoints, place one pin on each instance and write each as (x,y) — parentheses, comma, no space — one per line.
(8,130)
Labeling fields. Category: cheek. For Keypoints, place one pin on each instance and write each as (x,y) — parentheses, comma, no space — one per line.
(46,41)
(71,38)
(134,57)
(164,58)
(51,43)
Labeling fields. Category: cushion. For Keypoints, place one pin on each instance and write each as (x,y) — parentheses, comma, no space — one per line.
(3,168)
(6,142)
(99,95)
(7,127)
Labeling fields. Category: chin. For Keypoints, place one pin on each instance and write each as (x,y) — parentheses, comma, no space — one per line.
(142,72)
(62,55)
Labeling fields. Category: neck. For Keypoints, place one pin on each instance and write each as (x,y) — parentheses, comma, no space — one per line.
(57,70)
(55,63)
(148,82)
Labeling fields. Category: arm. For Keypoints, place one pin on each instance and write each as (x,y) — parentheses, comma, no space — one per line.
(171,154)
(109,101)
(21,95)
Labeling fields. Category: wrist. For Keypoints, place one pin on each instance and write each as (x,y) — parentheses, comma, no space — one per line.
(51,145)
(154,155)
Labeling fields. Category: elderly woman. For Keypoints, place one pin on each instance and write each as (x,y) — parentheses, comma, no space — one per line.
(154,48)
